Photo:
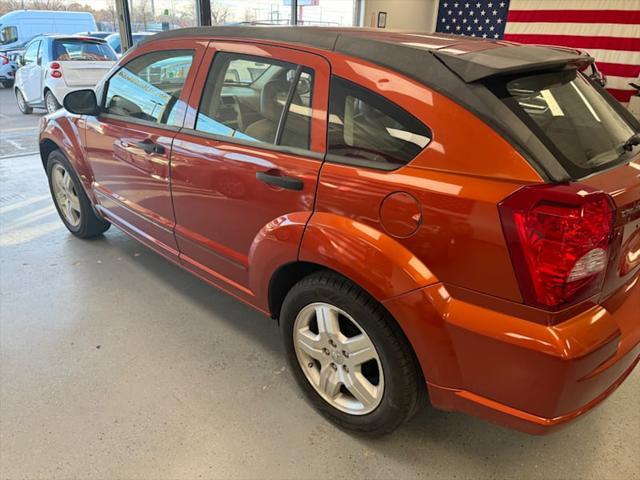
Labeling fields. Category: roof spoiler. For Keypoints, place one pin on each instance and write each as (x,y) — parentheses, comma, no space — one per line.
(474,66)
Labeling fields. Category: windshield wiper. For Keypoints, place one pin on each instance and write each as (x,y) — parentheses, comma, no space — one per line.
(631,142)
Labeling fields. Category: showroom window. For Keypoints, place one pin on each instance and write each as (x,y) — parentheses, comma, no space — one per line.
(365,128)
(148,87)
(245,98)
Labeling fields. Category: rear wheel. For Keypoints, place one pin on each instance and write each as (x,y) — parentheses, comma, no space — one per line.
(70,200)
(51,102)
(22,103)
(349,357)
(7,83)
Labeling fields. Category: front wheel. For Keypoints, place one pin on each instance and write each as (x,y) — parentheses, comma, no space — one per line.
(350,358)
(51,102)
(22,103)
(70,200)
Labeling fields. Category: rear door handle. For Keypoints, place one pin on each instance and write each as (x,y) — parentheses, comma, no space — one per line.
(150,147)
(282,181)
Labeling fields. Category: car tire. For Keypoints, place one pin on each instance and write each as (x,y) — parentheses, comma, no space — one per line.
(51,102)
(389,387)
(70,199)
(22,103)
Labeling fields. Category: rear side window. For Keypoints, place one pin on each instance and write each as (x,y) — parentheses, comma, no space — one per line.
(148,87)
(79,50)
(576,123)
(258,100)
(367,129)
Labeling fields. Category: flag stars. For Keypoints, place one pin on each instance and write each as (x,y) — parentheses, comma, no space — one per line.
(464,20)
(466,5)
(502,4)
(495,35)
(482,12)
(458,28)
(499,20)
(475,20)
(490,4)
(460,12)
(455,5)
(492,28)
(487,21)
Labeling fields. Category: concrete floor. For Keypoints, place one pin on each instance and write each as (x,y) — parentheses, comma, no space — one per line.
(117,364)
(18,132)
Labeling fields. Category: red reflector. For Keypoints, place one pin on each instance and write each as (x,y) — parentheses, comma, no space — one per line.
(558,237)
(56,74)
(4,60)
(54,66)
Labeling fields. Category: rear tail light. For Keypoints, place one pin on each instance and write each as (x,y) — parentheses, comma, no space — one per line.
(559,238)
(4,60)
(55,69)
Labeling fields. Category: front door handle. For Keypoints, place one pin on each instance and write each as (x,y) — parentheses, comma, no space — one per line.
(150,147)
(282,181)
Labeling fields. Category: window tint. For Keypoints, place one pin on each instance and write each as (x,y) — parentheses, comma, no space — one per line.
(148,87)
(571,117)
(245,97)
(31,52)
(71,49)
(364,126)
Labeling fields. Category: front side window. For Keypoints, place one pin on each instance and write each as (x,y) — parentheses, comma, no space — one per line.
(570,116)
(81,50)
(8,35)
(257,99)
(366,128)
(148,87)
(31,53)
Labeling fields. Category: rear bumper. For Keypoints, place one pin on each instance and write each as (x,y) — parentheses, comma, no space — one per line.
(516,372)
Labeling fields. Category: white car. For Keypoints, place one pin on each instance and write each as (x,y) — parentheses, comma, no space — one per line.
(55,65)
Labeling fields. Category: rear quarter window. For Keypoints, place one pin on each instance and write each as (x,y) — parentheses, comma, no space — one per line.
(369,130)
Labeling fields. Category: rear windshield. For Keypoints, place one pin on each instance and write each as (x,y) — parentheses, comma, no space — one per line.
(79,49)
(576,123)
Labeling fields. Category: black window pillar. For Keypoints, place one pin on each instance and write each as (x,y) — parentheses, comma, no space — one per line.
(124,24)
(203,9)
(294,12)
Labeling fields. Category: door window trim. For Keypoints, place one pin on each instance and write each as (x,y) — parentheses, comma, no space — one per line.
(301,152)
(137,121)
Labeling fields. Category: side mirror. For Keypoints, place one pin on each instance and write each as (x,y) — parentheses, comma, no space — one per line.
(81,102)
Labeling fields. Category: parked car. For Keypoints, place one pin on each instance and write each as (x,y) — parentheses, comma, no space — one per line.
(8,67)
(20,26)
(419,212)
(101,35)
(54,65)
(114,40)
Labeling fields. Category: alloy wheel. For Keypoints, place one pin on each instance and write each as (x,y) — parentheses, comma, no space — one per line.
(65,195)
(52,103)
(338,358)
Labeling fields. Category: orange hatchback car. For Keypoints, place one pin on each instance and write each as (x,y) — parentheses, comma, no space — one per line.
(422,213)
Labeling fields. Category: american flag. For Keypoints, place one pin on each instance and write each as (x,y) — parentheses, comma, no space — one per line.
(608,30)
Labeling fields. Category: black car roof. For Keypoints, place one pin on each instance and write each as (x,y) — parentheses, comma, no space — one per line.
(471,59)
